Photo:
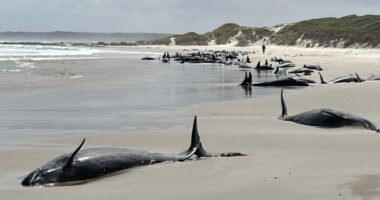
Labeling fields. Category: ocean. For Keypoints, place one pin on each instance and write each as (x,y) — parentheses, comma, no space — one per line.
(58,91)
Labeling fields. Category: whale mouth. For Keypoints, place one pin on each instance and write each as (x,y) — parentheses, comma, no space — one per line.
(29,180)
(32,179)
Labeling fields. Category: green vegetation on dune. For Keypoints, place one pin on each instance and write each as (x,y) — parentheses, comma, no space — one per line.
(352,29)
(191,39)
(224,34)
(348,31)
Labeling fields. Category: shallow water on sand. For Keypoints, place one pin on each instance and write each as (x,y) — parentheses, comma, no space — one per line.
(109,105)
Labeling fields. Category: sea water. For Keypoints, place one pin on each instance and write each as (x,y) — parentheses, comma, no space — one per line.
(165,91)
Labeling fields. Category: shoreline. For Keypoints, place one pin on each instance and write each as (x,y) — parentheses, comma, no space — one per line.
(272,152)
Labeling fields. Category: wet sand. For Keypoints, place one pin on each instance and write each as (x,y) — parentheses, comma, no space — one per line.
(285,160)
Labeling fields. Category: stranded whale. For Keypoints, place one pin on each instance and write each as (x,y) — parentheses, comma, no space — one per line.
(343,79)
(84,165)
(247,80)
(326,118)
(287,81)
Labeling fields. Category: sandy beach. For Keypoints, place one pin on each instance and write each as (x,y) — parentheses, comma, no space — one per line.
(284,160)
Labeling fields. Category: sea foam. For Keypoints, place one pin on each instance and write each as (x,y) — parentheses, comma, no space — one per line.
(40,52)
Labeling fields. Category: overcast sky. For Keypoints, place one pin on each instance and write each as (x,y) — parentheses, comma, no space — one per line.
(167,16)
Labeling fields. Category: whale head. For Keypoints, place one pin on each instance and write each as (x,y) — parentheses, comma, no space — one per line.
(55,172)
(43,177)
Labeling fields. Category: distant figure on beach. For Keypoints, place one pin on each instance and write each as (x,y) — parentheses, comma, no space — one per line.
(263,47)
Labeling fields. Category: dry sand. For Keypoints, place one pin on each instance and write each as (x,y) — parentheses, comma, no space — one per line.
(285,160)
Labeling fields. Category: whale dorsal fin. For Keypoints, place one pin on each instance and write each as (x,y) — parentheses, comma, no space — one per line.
(70,160)
(245,80)
(358,77)
(320,68)
(371,77)
(284,109)
(321,77)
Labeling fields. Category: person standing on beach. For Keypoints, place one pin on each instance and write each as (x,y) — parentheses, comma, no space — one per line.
(263,47)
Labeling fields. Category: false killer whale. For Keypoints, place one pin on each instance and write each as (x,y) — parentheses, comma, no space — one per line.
(343,79)
(374,77)
(313,67)
(287,81)
(326,117)
(84,165)
(247,80)
(263,67)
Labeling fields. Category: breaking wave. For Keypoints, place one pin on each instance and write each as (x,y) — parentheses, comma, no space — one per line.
(41,52)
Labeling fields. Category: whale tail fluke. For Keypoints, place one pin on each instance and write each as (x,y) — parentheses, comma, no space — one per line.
(196,145)
(321,77)
(283,105)
(196,141)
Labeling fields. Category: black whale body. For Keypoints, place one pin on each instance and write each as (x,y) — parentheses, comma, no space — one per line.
(283,82)
(91,163)
(326,118)
(343,79)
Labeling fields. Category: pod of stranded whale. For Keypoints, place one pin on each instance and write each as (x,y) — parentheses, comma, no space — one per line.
(300,81)
(282,82)
(266,66)
(84,165)
(328,118)
(344,79)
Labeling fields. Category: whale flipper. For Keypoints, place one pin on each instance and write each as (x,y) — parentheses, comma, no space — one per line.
(335,114)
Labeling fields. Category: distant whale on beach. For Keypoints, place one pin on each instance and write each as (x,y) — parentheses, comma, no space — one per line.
(84,165)
(147,58)
(247,80)
(263,67)
(374,78)
(313,67)
(326,117)
(283,82)
(305,71)
(343,79)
